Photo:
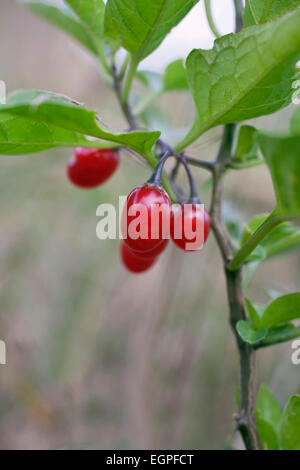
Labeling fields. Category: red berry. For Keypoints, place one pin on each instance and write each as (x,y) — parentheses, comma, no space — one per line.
(186,221)
(90,167)
(134,263)
(153,253)
(148,212)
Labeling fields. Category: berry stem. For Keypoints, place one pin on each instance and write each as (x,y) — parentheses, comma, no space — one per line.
(156,177)
(194,196)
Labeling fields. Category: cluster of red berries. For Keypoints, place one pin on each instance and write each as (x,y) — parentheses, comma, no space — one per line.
(89,168)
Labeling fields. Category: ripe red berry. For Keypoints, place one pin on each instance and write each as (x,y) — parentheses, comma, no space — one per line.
(135,264)
(90,167)
(186,221)
(145,219)
(153,253)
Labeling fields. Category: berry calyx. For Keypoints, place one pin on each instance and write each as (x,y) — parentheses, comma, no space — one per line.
(134,263)
(90,167)
(190,226)
(145,219)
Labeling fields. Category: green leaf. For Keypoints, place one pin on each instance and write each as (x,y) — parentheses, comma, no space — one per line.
(141,26)
(19,136)
(254,314)
(245,145)
(290,426)
(268,408)
(268,419)
(267,436)
(264,11)
(91,13)
(295,122)
(252,225)
(61,112)
(249,334)
(282,157)
(175,77)
(280,239)
(245,75)
(64,18)
(282,310)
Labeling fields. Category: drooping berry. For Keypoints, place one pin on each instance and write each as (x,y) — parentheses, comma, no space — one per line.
(190,226)
(89,167)
(134,263)
(146,219)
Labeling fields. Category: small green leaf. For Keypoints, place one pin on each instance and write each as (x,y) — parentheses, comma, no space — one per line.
(290,426)
(280,239)
(282,157)
(254,314)
(267,435)
(249,334)
(268,419)
(245,75)
(282,310)
(252,225)
(175,77)
(59,111)
(268,408)
(245,145)
(264,11)
(64,18)
(141,26)
(19,136)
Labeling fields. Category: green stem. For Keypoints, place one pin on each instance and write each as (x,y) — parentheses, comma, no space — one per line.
(129,79)
(124,67)
(278,338)
(210,19)
(245,165)
(242,254)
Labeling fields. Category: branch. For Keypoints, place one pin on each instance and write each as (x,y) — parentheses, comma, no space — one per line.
(245,417)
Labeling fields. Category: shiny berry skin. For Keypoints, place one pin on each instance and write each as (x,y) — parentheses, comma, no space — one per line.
(135,264)
(189,219)
(153,253)
(90,167)
(145,229)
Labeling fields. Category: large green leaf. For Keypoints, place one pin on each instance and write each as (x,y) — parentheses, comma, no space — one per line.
(290,426)
(141,26)
(282,155)
(58,111)
(245,75)
(295,122)
(91,13)
(64,18)
(264,11)
(282,310)
(19,136)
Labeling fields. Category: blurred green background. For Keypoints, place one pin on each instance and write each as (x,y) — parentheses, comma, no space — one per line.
(96,357)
